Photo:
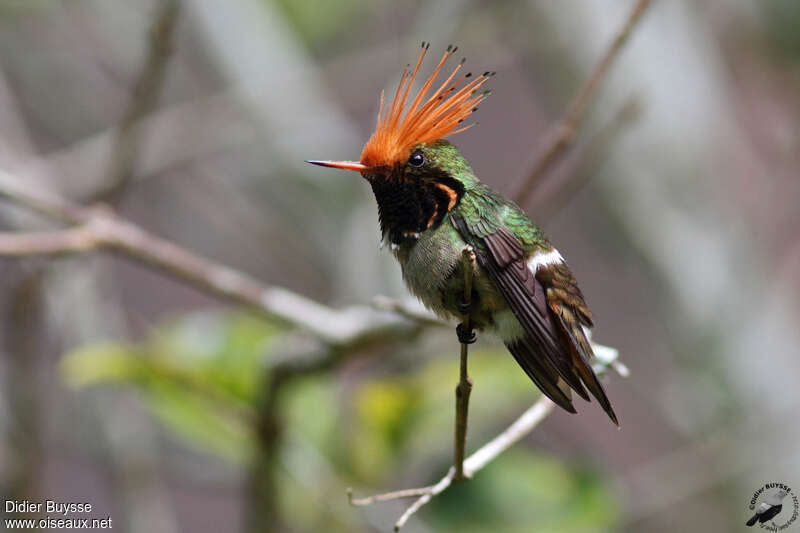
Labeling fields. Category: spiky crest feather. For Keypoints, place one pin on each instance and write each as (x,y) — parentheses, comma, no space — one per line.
(440,116)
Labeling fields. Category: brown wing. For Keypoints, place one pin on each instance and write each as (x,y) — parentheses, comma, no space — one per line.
(550,348)
(565,300)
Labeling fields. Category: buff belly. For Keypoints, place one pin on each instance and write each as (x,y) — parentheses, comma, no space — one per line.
(433,271)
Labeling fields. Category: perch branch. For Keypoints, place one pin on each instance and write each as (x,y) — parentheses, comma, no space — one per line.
(563,133)
(605,357)
(466,336)
(486,454)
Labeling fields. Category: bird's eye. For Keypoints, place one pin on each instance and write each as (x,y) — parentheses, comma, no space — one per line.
(417,159)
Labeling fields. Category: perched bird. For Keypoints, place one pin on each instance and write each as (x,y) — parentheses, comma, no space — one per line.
(769,508)
(431,206)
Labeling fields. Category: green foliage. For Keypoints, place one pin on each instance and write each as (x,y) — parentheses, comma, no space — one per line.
(783,23)
(200,377)
(531,493)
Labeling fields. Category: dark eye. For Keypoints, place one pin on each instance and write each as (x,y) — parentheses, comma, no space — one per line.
(417,159)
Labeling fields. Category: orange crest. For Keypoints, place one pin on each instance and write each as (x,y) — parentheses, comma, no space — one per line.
(440,115)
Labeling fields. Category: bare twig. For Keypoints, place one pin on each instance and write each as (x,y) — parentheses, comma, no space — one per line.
(550,198)
(72,240)
(341,332)
(386,496)
(464,388)
(409,311)
(100,228)
(563,133)
(486,454)
(605,357)
(149,83)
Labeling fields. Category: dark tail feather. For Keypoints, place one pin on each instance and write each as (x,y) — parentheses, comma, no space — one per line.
(539,370)
(582,352)
(753,520)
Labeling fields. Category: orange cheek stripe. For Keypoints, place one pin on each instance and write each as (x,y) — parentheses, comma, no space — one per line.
(453,195)
(433,216)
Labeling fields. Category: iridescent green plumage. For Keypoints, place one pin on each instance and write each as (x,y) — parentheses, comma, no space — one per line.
(522,289)
(430,262)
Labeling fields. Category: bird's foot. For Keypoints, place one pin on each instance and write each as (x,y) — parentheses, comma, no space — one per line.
(465,336)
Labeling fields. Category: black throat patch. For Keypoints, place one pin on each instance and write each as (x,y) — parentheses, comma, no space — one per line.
(409,204)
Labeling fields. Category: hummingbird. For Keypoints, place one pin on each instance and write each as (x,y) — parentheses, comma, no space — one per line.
(431,205)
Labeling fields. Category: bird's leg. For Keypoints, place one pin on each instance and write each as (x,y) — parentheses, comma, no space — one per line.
(466,336)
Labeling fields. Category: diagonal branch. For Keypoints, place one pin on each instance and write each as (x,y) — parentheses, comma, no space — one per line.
(486,454)
(563,133)
(148,87)
(57,242)
(560,186)
(100,228)
(607,357)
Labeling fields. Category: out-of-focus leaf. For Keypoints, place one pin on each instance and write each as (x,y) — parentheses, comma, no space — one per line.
(531,493)
(200,422)
(386,413)
(399,422)
(310,408)
(500,393)
(198,374)
(103,363)
(226,351)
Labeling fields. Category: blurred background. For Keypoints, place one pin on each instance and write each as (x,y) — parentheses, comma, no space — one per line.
(678,209)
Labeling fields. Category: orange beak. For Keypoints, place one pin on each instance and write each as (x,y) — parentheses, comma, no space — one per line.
(344,165)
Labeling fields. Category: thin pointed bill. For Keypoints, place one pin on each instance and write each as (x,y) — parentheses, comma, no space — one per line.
(344,165)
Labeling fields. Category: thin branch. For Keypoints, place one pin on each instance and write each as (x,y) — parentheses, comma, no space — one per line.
(74,240)
(606,357)
(550,198)
(409,311)
(466,336)
(563,133)
(146,91)
(475,462)
(101,228)
(386,496)
(486,454)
